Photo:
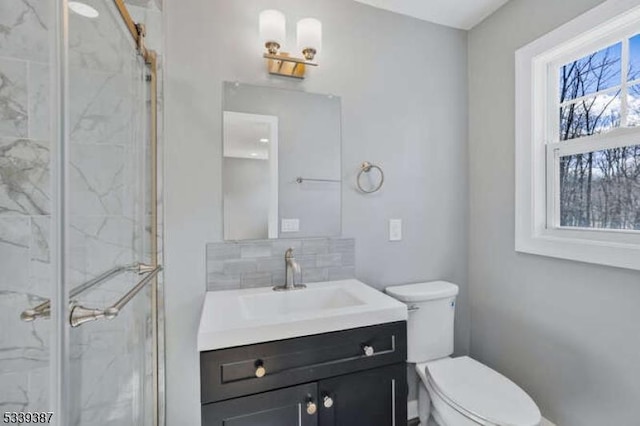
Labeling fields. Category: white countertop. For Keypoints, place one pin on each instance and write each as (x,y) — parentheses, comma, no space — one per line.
(243,317)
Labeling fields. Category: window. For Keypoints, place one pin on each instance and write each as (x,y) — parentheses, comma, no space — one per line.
(578,139)
(598,183)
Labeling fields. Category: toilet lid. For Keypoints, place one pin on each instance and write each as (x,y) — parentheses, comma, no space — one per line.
(480,392)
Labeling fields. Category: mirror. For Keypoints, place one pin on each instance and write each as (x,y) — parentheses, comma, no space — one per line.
(281,168)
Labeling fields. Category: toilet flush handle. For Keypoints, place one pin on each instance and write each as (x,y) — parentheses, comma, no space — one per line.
(413,308)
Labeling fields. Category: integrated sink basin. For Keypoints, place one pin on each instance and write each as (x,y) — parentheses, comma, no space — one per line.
(268,305)
(243,317)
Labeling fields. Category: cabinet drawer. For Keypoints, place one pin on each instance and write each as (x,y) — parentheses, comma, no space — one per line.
(233,372)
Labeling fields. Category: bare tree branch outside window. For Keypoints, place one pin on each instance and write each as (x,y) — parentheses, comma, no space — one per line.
(599,189)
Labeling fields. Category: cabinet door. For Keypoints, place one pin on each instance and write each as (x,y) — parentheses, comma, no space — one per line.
(376,397)
(294,406)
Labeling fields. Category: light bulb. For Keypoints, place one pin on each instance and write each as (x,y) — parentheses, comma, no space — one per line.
(309,37)
(272,29)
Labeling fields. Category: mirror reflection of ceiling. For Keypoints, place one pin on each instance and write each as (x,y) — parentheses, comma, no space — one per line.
(245,137)
(462,14)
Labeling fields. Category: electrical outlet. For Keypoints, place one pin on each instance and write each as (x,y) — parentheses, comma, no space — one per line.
(290,225)
(395,229)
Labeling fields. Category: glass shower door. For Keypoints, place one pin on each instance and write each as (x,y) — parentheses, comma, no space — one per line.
(110,344)
(77,217)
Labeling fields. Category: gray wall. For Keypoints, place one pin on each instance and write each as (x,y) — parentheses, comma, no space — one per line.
(566,331)
(403,85)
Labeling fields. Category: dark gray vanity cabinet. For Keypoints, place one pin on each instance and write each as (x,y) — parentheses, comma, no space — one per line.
(345,378)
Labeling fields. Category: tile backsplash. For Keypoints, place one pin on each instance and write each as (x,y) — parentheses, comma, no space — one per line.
(260,263)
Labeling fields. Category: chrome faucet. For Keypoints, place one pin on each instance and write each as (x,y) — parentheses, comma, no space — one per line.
(292,268)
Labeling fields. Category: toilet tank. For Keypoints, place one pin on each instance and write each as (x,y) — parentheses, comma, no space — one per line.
(432,307)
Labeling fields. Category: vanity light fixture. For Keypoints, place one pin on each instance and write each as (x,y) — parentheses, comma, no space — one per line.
(273,33)
(264,140)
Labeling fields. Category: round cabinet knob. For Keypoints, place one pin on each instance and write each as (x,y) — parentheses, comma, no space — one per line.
(327,402)
(260,370)
(311,408)
(368,350)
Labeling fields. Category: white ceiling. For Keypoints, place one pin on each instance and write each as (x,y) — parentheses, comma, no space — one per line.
(463,14)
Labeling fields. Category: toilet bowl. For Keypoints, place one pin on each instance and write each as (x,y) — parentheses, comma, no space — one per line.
(455,391)
(464,392)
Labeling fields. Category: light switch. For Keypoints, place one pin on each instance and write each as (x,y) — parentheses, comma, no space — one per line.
(395,229)
(290,225)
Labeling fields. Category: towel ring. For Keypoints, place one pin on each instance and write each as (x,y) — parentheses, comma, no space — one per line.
(366,168)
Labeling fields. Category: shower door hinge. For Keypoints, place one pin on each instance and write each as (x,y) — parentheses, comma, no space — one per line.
(142,33)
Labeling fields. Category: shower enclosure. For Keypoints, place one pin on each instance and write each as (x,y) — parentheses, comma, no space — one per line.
(81,312)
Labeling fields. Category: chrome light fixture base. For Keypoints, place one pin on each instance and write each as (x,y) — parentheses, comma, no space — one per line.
(272,47)
(309,53)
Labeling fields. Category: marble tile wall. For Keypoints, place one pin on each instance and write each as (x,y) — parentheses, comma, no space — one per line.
(260,263)
(25,205)
(109,222)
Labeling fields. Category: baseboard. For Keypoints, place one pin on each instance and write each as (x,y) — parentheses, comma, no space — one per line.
(546,422)
(412,409)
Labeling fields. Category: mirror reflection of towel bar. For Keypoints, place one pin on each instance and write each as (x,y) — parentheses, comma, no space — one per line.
(300,179)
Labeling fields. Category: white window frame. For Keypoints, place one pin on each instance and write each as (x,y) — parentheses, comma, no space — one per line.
(537,134)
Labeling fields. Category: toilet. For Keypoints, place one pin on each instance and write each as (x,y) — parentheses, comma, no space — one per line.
(455,391)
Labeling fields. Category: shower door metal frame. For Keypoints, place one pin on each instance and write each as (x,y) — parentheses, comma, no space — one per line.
(138,33)
(59,389)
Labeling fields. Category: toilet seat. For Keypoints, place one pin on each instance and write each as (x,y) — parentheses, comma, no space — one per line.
(479,393)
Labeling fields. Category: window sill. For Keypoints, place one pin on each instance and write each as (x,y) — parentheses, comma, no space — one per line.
(579,248)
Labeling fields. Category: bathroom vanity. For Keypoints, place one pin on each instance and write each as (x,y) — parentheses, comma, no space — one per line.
(340,359)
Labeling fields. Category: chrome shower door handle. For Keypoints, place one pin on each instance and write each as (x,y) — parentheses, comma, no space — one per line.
(43,310)
(81,314)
